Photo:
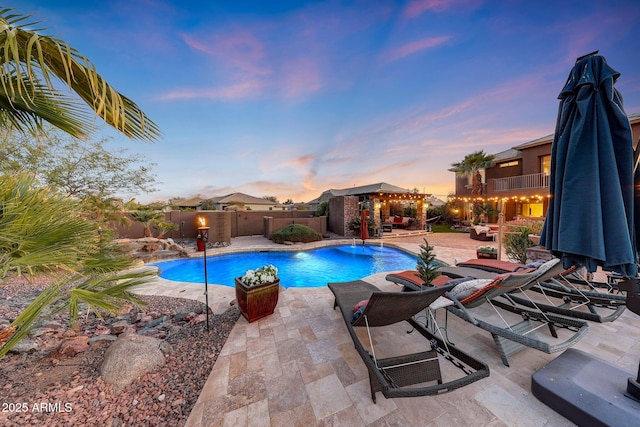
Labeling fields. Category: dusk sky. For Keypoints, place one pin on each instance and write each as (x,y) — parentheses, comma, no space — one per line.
(291,98)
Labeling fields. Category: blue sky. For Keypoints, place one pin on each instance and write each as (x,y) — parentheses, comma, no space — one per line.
(290,98)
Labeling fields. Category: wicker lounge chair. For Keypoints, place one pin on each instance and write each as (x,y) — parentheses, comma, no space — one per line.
(509,338)
(408,375)
(567,293)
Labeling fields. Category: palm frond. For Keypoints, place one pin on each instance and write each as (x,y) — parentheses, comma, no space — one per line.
(38,58)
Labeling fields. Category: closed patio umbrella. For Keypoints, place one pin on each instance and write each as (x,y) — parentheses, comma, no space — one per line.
(364,226)
(590,216)
(590,222)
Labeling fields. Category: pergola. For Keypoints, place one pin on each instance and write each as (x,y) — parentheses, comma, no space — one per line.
(381,196)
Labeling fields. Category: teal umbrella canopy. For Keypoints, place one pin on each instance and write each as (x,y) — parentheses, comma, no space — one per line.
(590,219)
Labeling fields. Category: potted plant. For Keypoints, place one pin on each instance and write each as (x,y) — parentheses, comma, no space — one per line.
(257,292)
(487,252)
(428,267)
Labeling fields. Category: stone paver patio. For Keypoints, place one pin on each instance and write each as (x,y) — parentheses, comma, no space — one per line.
(298,367)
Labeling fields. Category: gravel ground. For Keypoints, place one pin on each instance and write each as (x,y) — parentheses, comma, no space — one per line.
(45,388)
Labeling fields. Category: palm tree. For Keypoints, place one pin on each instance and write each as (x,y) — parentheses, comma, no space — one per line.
(41,231)
(46,232)
(147,217)
(472,165)
(29,64)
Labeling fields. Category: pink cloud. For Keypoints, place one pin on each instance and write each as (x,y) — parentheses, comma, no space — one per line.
(241,51)
(418,7)
(247,89)
(300,76)
(414,47)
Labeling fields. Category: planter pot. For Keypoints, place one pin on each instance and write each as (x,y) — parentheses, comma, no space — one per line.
(256,302)
(486,255)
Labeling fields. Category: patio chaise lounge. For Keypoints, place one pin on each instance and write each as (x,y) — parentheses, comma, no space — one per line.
(509,338)
(407,375)
(587,303)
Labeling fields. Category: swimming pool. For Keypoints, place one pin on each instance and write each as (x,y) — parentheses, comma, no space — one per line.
(296,269)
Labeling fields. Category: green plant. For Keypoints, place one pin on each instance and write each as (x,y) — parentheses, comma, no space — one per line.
(42,231)
(264,274)
(32,62)
(410,211)
(516,244)
(427,266)
(323,209)
(471,165)
(164,226)
(356,222)
(296,233)
(147,217)
(487,249)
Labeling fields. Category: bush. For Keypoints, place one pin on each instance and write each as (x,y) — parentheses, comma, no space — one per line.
(296,233)
(323,209)
(516,244)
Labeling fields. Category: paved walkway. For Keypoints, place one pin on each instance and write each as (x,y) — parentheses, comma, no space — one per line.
(298,367)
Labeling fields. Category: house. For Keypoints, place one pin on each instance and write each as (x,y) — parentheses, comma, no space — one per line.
(190,204)
(518,181)
(246,202)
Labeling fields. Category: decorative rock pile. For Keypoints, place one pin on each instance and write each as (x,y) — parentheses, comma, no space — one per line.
(88,371)
(150,249)
(152,325)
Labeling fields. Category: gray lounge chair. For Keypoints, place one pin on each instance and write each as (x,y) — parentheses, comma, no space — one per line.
(567,293)
(409,375)
(509,338)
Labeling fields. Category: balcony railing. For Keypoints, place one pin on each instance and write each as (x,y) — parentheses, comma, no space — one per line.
(522,182)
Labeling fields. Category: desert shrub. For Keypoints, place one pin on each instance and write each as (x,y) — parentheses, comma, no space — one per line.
(296,233)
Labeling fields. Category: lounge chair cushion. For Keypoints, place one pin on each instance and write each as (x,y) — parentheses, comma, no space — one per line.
(468,287)
(458,281)
(361,304)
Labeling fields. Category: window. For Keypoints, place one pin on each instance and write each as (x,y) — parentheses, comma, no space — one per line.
(545,164)
(509,164)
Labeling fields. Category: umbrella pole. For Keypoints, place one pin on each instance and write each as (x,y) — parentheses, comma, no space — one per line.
(500,231)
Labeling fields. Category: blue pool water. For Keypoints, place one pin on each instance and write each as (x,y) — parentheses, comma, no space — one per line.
(312,268)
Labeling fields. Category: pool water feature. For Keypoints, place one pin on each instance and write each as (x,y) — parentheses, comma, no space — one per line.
(296,269)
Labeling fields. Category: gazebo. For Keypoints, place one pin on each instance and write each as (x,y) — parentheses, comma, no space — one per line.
(382,199)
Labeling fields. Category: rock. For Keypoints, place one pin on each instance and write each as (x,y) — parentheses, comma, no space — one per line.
(182,316)
(51,324)
(101,339)
(24,346)
(198,319)
(188,316)
(130,357)
(101,330)
(40,331)
(153,332)
(73,390)
(149,248)
(165,347)
(118,327)
(157,322)
(74,345)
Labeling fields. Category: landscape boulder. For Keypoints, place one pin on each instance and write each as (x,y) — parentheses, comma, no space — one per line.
(130,357)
